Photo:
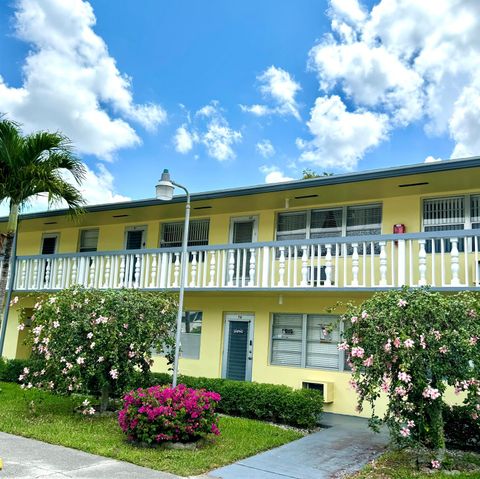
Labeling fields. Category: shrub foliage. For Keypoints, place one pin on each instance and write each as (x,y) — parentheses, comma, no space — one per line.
(95,341)
(159,414)
(411,344)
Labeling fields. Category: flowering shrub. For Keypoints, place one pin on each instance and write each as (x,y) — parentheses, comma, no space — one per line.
(160,414)
(93,342)
(411,344)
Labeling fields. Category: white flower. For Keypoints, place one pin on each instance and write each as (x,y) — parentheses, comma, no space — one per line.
(90,335)
(80,360)
(100,359)
(113,373)
(56,324)
(85,403)
(21,327)
(52,299)
(92,345)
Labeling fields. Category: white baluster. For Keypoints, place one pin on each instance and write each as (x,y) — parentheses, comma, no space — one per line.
(281,267)
(211,283)
(176,270)
(74,271)
(138,265)
(355,267)
(251,271)
(383,263)
(231,267)
(122,271)
(304,281)
(47,273)
(193,278)
(266,266)
(454,262)
(402,263)
(153,273)
(59,273)
(422,263)
(91,281)
(106,284)
(328,265)
(24,274)
(35,273)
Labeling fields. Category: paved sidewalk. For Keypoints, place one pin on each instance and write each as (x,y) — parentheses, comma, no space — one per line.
(344,447)
(26,458)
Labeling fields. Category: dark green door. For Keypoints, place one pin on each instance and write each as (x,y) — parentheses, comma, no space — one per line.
(238,347)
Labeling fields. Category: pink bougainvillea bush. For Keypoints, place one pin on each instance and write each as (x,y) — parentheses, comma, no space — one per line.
(161,413)
(411,345)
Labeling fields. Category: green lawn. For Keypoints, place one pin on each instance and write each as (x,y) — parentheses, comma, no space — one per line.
(53,421)
(401,465)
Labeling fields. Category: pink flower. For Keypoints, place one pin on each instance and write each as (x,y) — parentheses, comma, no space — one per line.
(388,346)
(431,393)
(369,361)
(405,432)
(409,343)
(472,313)
(443,349)
(403,376)
(402,303)
(422,341)
(343,346)
(473,340)
(113,373)
(435,464)
(358,352)
(364,315)
(354,319)
(21,327)
(410,423)
(125,325)
(400,391)
(397,342)
(437,334)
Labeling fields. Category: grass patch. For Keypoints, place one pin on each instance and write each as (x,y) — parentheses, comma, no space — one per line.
(51,419)
(402,465)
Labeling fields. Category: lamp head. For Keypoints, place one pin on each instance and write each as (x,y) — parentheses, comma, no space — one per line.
(164,188)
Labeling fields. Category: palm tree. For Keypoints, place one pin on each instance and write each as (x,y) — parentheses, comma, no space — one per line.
(31,165)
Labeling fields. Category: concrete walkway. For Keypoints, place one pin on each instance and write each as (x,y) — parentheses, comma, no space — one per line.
(27,458)
(343,447)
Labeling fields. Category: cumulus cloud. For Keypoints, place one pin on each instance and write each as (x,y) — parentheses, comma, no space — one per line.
(97,188)
(431,159)
(273,174)
(265,148)
(70,81)
(394,65)
(279,89)
(210,128)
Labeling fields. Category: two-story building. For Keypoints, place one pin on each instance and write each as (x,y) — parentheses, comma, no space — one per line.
(267,262)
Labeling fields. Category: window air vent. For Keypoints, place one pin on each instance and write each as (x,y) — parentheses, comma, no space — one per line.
(305,197)
(120,216)
(406,185)
(50,223)
(202,207)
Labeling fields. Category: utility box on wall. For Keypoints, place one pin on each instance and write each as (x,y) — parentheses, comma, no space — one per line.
(325,388)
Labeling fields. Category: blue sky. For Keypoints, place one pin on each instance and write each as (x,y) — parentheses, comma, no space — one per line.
(336,87)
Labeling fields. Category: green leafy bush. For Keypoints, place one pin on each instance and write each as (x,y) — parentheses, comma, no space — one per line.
(266,402)
(411,344)
(11,369)
(96,342)
(462,431)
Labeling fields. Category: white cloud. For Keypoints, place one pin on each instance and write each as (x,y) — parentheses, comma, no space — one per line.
(184,139)
(70,81)
(273,174)
(265,148)
(431,159)
(403,61)
(340,137)
(97,188)
(211,129)
(279,90)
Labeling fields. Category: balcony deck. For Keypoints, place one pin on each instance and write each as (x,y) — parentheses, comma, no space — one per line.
(443,259)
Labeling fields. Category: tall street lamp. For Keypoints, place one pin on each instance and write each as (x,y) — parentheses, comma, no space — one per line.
(164,192)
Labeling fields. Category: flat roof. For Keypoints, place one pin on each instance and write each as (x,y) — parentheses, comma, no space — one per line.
(377,174)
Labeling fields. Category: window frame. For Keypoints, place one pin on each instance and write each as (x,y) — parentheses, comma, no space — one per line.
(196,357)
(50,235)
(80,232)
(162,225)
(304,343)
(309,211)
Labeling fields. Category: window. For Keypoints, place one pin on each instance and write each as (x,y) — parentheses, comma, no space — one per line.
(88,240)
(49,244)
(172,234)
(306,340)
(330,222)
(191,334)
(453,213)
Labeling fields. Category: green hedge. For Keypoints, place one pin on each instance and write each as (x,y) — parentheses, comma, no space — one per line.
(10,369)
(461,430)
(267,402)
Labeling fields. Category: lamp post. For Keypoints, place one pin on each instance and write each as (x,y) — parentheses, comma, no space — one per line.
(164,192)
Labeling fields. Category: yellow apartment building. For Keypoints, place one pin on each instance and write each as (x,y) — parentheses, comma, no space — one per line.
(266,263)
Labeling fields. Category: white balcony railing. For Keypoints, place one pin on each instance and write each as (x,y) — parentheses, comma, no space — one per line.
(441,259)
